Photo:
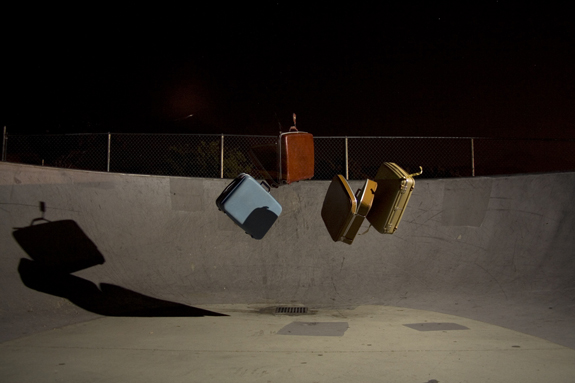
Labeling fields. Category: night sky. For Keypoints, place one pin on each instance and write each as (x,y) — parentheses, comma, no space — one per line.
(488,70)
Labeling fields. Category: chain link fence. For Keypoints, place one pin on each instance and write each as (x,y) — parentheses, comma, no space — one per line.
(225,156)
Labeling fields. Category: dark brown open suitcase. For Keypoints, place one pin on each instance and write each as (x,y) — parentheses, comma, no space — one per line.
(343,212)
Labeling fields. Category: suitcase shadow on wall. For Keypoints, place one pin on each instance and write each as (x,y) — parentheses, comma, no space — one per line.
(259,221)
(60,248)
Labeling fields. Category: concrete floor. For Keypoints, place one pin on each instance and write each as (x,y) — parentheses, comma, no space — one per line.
(371,344)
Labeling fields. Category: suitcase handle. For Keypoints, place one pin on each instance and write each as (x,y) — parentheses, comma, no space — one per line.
(266,186)
(293,128)
(418,173)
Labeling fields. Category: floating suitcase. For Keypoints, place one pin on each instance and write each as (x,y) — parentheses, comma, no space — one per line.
(291,159)
(249,205)
(394,188)
(343,212)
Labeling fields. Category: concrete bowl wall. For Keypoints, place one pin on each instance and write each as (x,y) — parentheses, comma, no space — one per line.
(499,249)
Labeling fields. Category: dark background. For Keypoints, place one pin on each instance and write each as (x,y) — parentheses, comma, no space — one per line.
(491,69)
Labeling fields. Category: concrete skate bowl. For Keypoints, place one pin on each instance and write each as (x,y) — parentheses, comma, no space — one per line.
(76,245)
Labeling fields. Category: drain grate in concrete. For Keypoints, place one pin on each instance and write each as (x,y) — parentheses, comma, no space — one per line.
(291,310)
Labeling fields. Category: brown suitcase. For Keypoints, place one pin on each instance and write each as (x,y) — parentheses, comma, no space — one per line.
(343,212)
(294,158)
(394,189)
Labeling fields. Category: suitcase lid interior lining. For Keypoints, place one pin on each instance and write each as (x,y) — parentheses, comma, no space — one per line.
(365,197)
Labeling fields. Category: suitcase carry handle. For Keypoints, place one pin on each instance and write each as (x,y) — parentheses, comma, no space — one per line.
(266,186)
(293,128)
(418,173)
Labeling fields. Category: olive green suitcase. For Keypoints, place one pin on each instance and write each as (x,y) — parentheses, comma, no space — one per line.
(343,212)
(394,188)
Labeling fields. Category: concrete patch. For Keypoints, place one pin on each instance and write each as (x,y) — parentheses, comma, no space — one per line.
(185,195)
(315,328)
(436,326)
(465,202)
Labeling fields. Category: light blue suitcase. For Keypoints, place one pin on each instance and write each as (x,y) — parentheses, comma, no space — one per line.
(249,205)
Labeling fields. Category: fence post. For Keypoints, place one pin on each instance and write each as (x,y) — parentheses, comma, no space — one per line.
(346,161)
(109,150)
(4,145)
(222,158)
(472,159)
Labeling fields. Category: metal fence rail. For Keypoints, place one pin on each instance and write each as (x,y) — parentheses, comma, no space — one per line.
(225,156)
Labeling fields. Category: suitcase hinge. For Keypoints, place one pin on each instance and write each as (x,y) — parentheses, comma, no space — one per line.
(403,186)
